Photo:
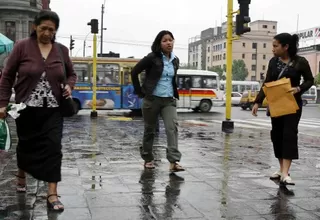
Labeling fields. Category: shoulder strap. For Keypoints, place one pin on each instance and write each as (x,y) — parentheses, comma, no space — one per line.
(62,60)
(284,68)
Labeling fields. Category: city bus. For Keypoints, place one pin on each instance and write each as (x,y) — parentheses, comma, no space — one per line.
(241,86)
(198,89)
(114,87)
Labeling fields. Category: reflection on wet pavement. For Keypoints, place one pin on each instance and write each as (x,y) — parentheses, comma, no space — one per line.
(226,177)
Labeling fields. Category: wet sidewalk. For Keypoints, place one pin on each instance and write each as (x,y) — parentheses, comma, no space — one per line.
(226,177)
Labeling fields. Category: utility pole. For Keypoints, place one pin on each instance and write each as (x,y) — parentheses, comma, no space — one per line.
(101,44)
(256,60)
(242,19)
(84,48)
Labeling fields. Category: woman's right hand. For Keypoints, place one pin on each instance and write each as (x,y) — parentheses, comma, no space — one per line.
(255,110)
(3,112)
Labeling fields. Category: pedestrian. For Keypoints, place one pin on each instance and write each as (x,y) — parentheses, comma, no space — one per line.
(284,133)
(38,61)
(160,94)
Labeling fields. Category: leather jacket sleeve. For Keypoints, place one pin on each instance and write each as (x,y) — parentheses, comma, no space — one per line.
(142,65)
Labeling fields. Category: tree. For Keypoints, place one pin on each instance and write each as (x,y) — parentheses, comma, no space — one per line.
(239,70)
(218,70)
(317,79)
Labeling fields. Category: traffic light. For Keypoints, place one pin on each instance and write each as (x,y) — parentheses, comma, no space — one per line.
(71,43)
(243,19)
(94,26)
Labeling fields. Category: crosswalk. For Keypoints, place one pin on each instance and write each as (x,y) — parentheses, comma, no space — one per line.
(266,123)
(309,126)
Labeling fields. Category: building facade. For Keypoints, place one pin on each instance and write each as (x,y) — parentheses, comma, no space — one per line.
(312,54)
(16,17)
(254,48)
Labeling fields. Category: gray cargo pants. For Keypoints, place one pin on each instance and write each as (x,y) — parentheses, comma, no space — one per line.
(167,108)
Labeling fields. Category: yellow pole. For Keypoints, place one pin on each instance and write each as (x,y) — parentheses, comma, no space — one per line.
(227,125)
(94,70)
(229,60)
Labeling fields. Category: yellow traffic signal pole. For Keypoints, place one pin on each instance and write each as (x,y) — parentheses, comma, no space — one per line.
(228,125)
(94,112)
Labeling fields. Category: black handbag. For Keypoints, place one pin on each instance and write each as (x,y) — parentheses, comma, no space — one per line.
(68,107)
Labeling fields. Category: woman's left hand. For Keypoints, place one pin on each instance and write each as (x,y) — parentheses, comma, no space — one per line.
(294,90)
(67,91)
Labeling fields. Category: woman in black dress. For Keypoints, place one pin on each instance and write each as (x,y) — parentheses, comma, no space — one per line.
(284,133)
(40,84)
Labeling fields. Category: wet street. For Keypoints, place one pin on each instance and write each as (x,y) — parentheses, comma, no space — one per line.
(226,176)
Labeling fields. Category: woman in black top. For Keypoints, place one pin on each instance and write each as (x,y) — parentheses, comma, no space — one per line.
(284,133)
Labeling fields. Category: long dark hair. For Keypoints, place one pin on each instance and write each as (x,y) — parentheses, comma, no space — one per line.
(46,15)
(156,45)
(291,40)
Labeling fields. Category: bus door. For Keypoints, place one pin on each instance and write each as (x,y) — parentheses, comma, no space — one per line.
(108,86)
(184,87)
(82,90)
(129,100)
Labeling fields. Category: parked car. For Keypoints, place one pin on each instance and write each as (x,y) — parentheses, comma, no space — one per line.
(248,98)
(235,98)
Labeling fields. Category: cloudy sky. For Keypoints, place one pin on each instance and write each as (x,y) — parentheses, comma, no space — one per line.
(133,24)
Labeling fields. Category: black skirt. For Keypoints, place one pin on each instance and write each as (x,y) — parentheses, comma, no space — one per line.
(39,148)
(284,135)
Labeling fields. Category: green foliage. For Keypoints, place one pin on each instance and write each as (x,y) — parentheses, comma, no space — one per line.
(239,70)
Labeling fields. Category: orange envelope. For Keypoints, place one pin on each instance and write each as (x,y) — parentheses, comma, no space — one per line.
(281,102)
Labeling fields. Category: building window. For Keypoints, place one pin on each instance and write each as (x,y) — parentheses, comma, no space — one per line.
(264,45)
(10,30)
(264,56)
(224,45)
(224,67)
(224,56)
(254,56)
(208,49)
(264,26)
(253,67)
(33,3)
(243,56)
(244,44)
(220,57)
(208,59)
(254,45)
(263,67)
(274,27)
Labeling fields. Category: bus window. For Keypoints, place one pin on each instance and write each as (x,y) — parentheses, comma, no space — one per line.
(235,88)
(249,87)
(108,74)
(210,82)
(256,87)
(312,91)
(180,82)
(126,76)
(242,88)
(81,70)
(184,82)
(196,82)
